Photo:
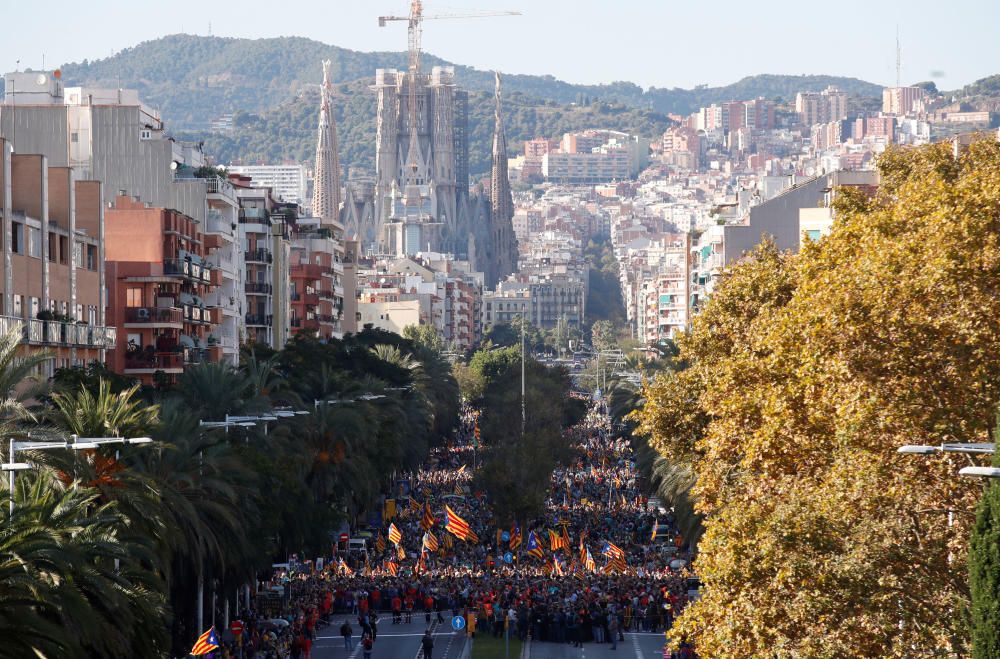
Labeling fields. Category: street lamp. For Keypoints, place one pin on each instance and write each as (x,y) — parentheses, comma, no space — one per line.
(74,443)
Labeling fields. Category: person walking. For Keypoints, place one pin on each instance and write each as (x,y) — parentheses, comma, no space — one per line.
(366,645)
(427,644)
(613,630)
(347,632)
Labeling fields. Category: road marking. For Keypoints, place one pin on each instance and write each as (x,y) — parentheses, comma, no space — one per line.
(635,644)
(420,650)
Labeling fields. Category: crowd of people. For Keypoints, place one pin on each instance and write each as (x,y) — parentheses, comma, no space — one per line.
(607,561)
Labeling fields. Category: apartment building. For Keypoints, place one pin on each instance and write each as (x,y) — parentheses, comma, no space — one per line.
(158,281)
(263,236)
(53,282)
(287,182)
(821,107)
(428,289)
(900,101)
(316,271)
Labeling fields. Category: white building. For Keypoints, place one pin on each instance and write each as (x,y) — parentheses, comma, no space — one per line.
(287,182)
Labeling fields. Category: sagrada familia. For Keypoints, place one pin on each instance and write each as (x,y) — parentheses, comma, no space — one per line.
(421,199)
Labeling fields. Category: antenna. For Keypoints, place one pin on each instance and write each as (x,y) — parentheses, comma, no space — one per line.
(210,28)
(899,59)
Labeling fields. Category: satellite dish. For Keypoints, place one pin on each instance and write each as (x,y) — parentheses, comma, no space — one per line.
(41,79)
(173,164)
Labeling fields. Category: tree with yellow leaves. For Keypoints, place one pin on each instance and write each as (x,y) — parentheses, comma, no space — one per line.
(807,372)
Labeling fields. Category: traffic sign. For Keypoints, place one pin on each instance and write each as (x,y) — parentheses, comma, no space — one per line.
(508,558)
(344,537)
(458,623)
(236,627)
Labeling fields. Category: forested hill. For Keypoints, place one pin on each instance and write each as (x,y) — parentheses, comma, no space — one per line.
(193,79)
(288,132)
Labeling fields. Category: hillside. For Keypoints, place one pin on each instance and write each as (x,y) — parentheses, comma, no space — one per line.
(193,79)
(288,132)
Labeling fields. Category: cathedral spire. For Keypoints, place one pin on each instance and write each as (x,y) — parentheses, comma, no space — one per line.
(326,178)
(504,250)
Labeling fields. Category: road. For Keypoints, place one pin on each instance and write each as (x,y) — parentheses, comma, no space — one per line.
(638,645)
(393,642)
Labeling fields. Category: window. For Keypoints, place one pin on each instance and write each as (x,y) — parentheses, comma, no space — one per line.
(17,237)
(35,242)
(91,257)
(74,137)
(78,254)
(63,249)
(133,297)
(52,246)
(19,305)
(814,234)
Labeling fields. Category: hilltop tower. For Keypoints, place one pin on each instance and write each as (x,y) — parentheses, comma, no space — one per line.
(326,179)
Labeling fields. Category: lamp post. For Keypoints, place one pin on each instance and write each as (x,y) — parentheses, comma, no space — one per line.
(234,421)
(74,443)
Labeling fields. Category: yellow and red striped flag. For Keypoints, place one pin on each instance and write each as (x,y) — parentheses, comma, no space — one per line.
(392,567)
(455,524)
(380,543)
(557,541)
(395,537)
(428,520)
(414,506)
(656,523)
(430,542)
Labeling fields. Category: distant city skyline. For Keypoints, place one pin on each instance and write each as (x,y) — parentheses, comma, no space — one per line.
(650,43)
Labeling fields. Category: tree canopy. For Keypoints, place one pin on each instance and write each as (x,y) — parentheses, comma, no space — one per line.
(806,373)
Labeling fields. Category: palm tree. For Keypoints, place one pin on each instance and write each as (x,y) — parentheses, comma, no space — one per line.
(16,371)
(70,584)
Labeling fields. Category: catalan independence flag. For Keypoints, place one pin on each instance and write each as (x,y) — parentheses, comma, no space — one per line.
(395,537)
(430,542)
(534,547)
(612,550)
(206,643)
(615,564)
(428,519)
(589,562)
(456,525)
(414,505)
(380,543)
(556,541)
(515,537)
(392,568)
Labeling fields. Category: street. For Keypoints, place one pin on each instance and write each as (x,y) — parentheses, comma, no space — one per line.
(394,641)
(638,645)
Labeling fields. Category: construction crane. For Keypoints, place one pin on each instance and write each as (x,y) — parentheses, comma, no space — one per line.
(414,28)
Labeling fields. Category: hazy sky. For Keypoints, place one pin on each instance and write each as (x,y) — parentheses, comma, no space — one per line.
(663,43)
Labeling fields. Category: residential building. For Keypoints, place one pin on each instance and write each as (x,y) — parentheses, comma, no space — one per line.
(900,101)
(317,274)
(53,281)
(266,252)
(158,281)
(289,182)
(821,107)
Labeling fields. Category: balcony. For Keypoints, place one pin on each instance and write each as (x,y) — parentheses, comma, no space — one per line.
(154,317)
(254,216)
(258,320)
(309,271)
(311,299)
(147,362)
(259,255)
(305,324)
(53,332)
(258,288)
(213,241)
(190,270)
(217,186)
